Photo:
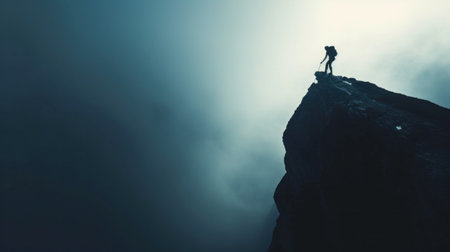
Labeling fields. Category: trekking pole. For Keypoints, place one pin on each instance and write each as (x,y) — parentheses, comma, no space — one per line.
(317,71)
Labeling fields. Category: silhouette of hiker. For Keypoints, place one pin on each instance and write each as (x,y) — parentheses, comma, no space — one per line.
(331,53)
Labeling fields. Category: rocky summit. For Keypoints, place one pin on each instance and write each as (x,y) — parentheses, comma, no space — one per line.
(366,170)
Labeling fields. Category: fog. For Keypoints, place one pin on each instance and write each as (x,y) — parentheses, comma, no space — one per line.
(156,126)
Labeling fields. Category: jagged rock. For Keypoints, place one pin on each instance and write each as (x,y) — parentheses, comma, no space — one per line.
(366,170)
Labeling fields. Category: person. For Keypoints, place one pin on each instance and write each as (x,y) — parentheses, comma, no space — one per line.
(331,53)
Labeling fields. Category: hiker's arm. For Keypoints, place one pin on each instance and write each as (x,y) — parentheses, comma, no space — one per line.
(326,54)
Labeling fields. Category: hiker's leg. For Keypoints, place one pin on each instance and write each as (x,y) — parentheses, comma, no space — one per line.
(331,68)
(326,66)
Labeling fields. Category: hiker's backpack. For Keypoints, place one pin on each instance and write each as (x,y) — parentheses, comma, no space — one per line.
(332,51)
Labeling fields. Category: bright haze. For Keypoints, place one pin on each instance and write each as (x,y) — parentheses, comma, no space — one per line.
(146,126)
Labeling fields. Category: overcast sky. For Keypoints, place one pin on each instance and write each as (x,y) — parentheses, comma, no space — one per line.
(138,125)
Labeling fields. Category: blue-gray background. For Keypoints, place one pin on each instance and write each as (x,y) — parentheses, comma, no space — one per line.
(156,126)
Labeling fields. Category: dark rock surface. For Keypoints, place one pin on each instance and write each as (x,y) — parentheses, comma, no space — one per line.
(366,170)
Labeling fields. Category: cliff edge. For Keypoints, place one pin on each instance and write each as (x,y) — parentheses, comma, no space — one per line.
(366,170)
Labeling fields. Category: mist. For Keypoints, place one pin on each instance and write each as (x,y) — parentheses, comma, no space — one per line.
(146,126)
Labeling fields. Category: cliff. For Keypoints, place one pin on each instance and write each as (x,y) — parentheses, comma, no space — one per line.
(366,170)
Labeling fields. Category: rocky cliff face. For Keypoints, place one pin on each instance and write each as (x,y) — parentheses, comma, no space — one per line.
(366,170)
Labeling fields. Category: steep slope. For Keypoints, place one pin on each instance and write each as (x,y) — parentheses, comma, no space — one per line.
(366,170)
